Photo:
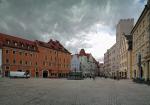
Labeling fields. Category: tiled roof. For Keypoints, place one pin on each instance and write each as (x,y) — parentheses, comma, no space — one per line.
(53,45)
(8,40)
(4,37)
(83,53)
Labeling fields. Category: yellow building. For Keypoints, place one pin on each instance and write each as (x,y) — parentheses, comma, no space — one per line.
(141,45)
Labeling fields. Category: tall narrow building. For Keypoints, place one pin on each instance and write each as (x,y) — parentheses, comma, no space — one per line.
(123,27)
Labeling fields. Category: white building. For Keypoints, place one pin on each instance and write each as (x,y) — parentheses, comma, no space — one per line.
(89,65)
(113,61)
(75,63)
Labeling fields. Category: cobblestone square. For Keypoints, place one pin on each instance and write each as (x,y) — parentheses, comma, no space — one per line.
(72,92)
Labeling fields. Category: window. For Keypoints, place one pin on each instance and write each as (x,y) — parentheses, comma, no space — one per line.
(7,51)
(34,48)
(20,61)
(14,61)
(30,63)
(7,67)
(15,43)
(8,42)
(26,62)
(49,64)
(36,63)
(7,60)
(43,63)
(26,54)
(14,52)
(20,53)
(28,47)
(31,54)
(45,57)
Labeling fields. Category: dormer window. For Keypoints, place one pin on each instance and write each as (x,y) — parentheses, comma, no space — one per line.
(15,43)
(8,42)
(33,48)
(28,47)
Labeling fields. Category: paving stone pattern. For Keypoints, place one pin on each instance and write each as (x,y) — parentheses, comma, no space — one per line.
(38,91)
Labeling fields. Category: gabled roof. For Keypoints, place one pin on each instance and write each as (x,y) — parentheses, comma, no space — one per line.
(83,53)
(8,40)
(23,43)
(53,45)
(4,37)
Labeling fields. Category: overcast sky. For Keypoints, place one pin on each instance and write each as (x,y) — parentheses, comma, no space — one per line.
(77,24)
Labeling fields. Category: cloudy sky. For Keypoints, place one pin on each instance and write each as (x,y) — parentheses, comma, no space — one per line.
(77,24)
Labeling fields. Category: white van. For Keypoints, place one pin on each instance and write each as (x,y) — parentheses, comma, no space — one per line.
(18,74)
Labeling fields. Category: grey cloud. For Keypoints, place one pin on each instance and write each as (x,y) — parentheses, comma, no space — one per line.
(63,20)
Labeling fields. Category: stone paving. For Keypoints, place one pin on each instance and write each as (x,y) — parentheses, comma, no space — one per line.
(38,91)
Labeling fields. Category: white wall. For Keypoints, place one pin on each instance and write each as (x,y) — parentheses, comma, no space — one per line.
(75,63)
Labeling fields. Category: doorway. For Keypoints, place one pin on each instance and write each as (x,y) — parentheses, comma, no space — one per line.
(37,74)
(45,74)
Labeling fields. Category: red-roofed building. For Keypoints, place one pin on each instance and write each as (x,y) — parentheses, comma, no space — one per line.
(88,65)
(39,58)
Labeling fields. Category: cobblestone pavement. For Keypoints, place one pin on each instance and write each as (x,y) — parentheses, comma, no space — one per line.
(72,92)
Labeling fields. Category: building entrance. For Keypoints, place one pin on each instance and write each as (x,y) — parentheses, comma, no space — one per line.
(45,74)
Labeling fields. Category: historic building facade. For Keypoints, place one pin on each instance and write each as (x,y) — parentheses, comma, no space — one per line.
(101,70)
(133,47)
(107,69)
(39,59)
(88,64)
(116,59)
(113,61)
(141,45)
(123,27)
(75,63)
